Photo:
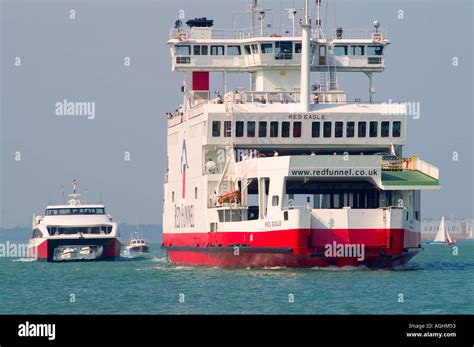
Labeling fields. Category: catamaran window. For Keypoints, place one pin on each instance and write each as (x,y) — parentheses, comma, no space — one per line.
(227,128)
(71,211)
(350,128)
(340,50)
(283,50)
(298,47)
(373,130)
(216,128)
(327,129)
(247,49)
(396,130)
(374,50)
(285,129)
(275,200)
(239,129)
(217,50)
(37,234)
(385,129)
(315,129)
(273,129)
(251,129)
(357,50)
(297,129)
(266,48)
(233,50)
(262,129)
(199,50)
(183,50)
(101,229)
(361,129)
(338,129)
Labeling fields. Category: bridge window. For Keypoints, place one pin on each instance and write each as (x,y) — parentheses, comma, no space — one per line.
(183,50)
(199,50)
(316,129)
(227,128)
(217,50)
(298,47)
(385,129)
(396,130)
(285,129)
(338,129)
(283,50)
(357,50)
(266,48)
(233,50)
(297,129)
(374,50)
(350,129)
(361,129)
(254,48)
(373,130)
(251,129)
(216,128)
(340,50)
(327,129)
(239,129)
(183,60)
(262,129)
(273,129)
(247,49)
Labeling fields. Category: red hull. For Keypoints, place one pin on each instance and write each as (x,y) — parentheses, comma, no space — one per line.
(292,248)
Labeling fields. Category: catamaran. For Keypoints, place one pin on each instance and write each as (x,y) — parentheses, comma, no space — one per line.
(287,171)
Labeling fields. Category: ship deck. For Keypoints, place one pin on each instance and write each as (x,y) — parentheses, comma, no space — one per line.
(408,178)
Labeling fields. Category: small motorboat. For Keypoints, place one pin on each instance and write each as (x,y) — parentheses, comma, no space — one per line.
(137,244)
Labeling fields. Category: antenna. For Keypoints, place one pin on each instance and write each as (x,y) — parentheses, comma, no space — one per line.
(74,185)
(305,71)
(292,13)
(64,197)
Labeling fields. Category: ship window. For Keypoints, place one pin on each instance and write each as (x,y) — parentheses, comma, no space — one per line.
(172,196)
(183,50)
(357,50)
(266,48)
(338,129)
(227,128)
(297,129)
(275,200)
(283,50)
(350,128)
(340,50)
(251,129)
(183,60)
(273,129)
(373,129)
(262,129)
(38,234)
(327,129)
(217,50)
(298,47)
(374,50)
(362,129)
(199,50)
(195,192)
(233,50)
(239,129)
(316,129)
(396,130)
(385,129)
(285,129)
(255,49)
(247,49)
(216,128)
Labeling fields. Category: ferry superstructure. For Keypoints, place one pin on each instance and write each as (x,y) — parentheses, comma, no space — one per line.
(74,231)
(287,172)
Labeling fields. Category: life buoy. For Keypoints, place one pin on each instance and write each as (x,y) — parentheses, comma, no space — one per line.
(182,36)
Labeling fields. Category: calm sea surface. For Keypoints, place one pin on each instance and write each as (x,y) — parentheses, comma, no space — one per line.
(434,282)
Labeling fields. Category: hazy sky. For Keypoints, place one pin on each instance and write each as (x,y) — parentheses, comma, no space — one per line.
(82,59)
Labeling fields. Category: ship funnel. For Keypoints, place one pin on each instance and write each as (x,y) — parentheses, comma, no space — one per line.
(305,71)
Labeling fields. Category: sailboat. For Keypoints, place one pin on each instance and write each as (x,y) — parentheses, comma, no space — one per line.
(443,237)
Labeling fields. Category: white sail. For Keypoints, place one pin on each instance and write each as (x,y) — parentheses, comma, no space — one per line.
(441,235)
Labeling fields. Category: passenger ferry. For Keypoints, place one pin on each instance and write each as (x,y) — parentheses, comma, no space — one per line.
(74,231)
(287,172)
